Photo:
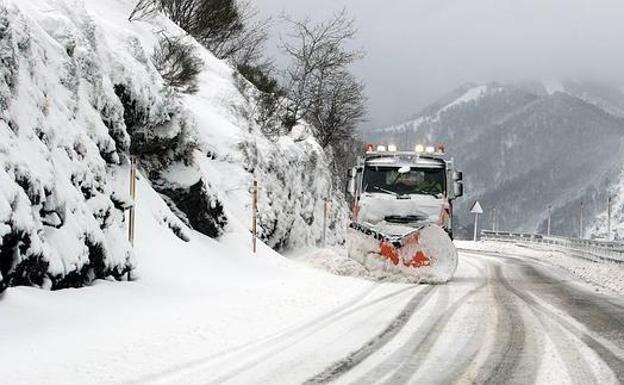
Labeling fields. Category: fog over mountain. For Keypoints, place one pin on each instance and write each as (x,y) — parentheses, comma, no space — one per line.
(420,49)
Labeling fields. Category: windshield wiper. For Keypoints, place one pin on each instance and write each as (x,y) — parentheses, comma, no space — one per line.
(399,196)
(435,195)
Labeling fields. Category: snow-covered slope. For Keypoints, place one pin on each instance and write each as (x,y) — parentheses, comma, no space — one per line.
(198,312)
(79,95)
(524,147)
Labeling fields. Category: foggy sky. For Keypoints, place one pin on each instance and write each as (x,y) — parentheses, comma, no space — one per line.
(418,50)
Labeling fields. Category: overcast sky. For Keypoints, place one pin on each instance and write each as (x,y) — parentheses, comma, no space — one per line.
(420,49)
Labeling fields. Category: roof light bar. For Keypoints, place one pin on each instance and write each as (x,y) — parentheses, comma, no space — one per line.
(419,149)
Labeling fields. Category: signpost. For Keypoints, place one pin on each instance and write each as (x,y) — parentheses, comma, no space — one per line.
(476,210)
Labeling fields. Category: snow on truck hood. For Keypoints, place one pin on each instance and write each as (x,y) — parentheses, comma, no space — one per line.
(374,207)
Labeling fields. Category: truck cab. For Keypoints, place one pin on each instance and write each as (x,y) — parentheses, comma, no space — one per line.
(399,188)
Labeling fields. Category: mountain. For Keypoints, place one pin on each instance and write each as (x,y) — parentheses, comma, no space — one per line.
(524,147)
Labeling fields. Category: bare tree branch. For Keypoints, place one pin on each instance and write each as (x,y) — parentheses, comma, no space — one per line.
(317,52)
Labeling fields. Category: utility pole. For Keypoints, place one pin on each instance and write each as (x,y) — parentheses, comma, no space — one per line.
(581,222)
(548,225)
(609,238)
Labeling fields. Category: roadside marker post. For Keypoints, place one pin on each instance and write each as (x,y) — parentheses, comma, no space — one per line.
(132,212)
(254,210)
(493,219)
(326,208)
(476,210)
(580,233)
(609,237)
(548,224)
(325,217)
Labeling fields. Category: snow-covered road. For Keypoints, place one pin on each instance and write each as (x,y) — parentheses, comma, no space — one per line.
(502,320)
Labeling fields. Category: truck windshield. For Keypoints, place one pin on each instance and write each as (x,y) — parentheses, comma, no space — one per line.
(427,181)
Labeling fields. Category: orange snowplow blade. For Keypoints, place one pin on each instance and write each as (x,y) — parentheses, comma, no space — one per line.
(392,253)
(425,253)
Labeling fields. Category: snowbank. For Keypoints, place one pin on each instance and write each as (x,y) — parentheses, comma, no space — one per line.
(605,275)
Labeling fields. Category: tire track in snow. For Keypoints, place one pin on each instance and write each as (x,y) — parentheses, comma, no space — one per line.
(404,373)
(576,365)
(456,363)
(285,343)
(505,364)
(254,345)
(598,313)
(612,359)
(344,365)
(420,340)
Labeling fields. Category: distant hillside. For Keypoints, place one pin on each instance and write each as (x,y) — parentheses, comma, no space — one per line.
(527,146)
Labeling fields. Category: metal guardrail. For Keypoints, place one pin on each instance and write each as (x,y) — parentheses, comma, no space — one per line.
(584,248)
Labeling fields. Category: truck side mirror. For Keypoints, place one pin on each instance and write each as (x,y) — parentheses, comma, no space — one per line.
(458,189)
(351,187)
(458,176)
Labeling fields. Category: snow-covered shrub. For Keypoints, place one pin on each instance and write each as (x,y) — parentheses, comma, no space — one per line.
(164,139)
(59,226)
(71,115)
(177,63)
(292,170)
(158,127)
(257,82)
(294,183)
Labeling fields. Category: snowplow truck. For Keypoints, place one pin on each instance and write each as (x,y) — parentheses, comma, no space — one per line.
(402,212)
